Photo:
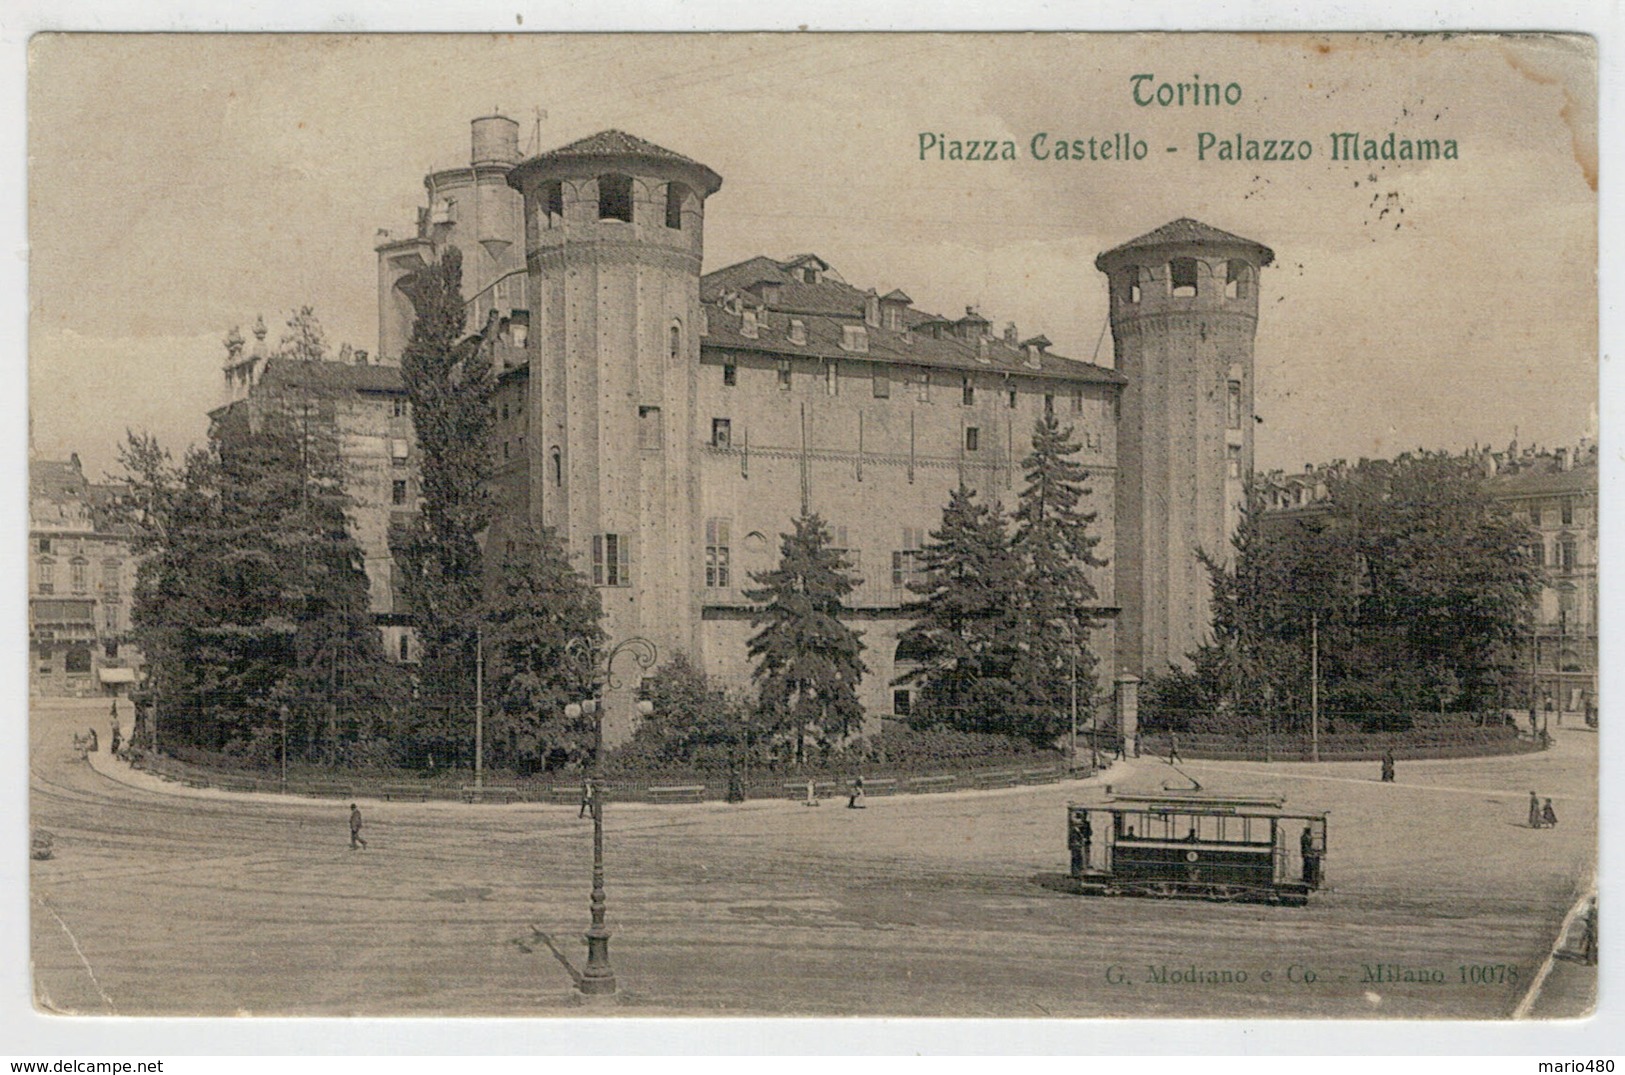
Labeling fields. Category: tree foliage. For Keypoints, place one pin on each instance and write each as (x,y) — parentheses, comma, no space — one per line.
(808,662)
(251,594)
(304,339)
(693,722)
(963,638)
(449,382)
(1055,545)
(538,605)
(1415,583)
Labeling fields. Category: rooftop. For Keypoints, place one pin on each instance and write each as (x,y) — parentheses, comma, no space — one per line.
(1186,232)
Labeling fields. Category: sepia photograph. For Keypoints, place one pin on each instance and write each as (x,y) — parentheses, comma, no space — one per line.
(1040,526)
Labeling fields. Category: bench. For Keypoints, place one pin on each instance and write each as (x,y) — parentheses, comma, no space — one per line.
(1002,778)
(323,791)
(796,791)
(878,787)
(489,793)
(684,793)
(932,783)
(1040,776)
(236,783)
(564,793)
(403,792)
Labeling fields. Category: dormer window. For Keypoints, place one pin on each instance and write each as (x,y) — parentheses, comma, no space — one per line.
(854,338)
(798,330)
(809,275)
(615,198)
(747,324)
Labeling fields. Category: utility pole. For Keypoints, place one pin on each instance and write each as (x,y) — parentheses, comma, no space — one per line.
(1314,686)
(479,708)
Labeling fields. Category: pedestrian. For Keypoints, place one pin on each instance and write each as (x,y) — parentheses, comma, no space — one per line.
(1074,842)
(95,744)
(355,828)
(1388,766)
(812,795)
(1173,748)
(117,736)
(1548,816)
(1311,860)
(1120,748)
(854,799)
(587,792)
(1136,744)
(736,785)
(1534,811)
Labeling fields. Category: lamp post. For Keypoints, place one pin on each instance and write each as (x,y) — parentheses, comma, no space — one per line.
(284,715)
(598,977)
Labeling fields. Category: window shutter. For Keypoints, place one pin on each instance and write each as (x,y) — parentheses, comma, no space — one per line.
(623,562)
(598,559)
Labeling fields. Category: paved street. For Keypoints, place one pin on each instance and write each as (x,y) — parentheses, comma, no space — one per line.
(167,901)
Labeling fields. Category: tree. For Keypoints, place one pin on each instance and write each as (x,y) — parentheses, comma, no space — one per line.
(962,636)
(693,722)
(304,339)
(538,605)
(1055,606)
(808,662)
(252,594)
(1418,584)
(449,383)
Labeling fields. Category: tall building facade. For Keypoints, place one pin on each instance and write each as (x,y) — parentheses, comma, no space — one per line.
(81,576)
(670,423)
(1184,312)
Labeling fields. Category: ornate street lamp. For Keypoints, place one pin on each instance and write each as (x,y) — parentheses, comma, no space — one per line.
(598,979)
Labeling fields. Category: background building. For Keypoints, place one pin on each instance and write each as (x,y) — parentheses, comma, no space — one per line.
(81,575)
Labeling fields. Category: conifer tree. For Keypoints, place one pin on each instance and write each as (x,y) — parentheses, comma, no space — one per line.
(538,604)
(808,661)
(962,634)
(1056,549)
(449,383)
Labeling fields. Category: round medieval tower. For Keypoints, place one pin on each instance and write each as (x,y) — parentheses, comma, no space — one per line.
(1184,310)
(614,231)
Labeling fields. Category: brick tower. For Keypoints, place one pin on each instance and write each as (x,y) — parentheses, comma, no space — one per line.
(1184,311)
(614,231)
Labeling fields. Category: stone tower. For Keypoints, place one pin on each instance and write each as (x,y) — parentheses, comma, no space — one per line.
(1184,310)
(474,209)
(614,231)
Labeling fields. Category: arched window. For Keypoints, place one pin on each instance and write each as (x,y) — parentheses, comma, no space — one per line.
(676,194)
(674,341)
(1237,282)
(1182,277)
(552,205)
(556,458)
(615,198)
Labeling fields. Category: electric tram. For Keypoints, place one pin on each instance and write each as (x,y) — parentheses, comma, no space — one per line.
(1196,845)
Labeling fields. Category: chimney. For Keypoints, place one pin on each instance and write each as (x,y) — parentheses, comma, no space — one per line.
(1010,334)
(1565,458)
(871,308)
(361,358)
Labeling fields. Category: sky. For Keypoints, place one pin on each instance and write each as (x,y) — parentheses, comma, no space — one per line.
(179,186)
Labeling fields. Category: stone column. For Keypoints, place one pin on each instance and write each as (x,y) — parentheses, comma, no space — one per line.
(1128,709)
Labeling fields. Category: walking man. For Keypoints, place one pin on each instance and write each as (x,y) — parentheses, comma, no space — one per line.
(1173,748)
(1311,860)
(854,801)
(587,792)
(1534,811)
(355,828)
(1074,843)
(1388,766)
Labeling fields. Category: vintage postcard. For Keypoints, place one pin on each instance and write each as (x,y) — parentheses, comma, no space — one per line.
(762,525)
